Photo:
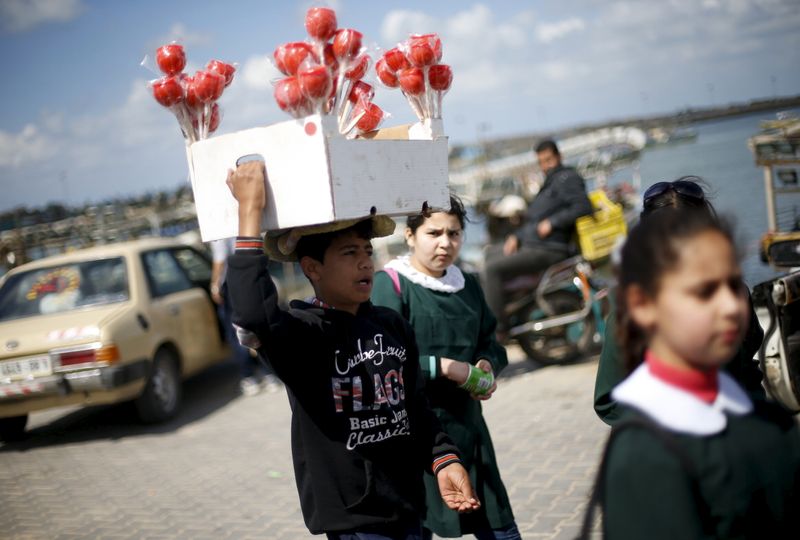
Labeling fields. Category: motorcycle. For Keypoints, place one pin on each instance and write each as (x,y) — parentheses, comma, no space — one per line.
(777,304)
(558,315)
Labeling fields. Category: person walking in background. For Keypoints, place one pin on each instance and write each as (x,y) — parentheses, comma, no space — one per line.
(455,335)
(692,456)
(547,234)
(684,194)
(253,375)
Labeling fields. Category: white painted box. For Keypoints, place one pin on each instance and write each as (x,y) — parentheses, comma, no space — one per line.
(315,175)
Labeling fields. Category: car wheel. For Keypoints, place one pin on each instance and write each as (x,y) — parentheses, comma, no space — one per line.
(162,393)
(13,428)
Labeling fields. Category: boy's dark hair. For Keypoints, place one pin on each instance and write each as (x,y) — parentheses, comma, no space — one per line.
(315,245)
(548,144)
(651,250)
(456,209)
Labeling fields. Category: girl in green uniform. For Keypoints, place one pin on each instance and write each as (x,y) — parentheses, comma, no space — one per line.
(455,332)
(693,456)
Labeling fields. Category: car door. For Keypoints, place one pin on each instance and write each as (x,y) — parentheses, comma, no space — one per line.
(198,269)
(181,307)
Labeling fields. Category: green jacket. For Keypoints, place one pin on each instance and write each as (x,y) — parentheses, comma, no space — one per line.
(459,326)
(610,371)
(741,482)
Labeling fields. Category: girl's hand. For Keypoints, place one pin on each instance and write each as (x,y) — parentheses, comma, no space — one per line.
(485,366)
(455,370)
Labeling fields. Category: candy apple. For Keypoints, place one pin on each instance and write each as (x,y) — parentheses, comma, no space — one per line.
(226,70)
(440,77)
(346,43)
(386,75)
(411,81)
(168,91)
(171,59)
(315,82)
(321,23)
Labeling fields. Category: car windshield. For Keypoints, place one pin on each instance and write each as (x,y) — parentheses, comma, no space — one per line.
(62,288)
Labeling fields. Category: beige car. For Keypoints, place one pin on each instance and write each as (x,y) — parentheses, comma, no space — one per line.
(104,325)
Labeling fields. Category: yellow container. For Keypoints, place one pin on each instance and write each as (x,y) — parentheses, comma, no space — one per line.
(599,233)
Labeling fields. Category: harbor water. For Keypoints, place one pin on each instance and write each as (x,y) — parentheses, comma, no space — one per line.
(721,157)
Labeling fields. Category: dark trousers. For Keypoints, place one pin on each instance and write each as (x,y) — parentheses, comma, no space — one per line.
(501,268)
(411,531)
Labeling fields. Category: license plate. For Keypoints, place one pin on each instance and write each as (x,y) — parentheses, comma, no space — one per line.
(35,366)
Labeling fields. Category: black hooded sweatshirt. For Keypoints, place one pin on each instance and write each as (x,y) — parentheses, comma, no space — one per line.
(362,433)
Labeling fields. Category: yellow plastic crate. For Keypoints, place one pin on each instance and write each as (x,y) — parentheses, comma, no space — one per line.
(598,233)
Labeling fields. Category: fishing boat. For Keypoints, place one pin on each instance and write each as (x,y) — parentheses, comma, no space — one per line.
(777,150)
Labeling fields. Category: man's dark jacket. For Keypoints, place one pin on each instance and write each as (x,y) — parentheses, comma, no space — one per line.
(561,200)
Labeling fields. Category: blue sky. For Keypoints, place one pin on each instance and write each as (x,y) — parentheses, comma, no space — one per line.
(77,122)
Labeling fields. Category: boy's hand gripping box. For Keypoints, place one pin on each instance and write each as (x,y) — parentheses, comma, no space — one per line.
(315,175)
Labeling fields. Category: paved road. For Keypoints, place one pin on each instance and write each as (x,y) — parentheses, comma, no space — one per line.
(222,469)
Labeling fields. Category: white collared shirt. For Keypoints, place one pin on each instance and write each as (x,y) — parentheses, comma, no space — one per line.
(678,410)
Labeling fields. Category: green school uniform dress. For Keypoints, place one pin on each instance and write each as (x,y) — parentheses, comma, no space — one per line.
(451,319)
(744,474)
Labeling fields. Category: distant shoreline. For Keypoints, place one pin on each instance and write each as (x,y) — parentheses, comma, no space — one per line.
(507,145)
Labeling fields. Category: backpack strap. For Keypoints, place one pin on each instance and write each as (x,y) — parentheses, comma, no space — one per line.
(671,443)
(395,279)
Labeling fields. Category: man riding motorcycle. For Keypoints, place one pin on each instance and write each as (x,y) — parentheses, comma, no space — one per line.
(546,236)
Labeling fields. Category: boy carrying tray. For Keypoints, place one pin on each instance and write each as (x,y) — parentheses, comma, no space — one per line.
(362,432)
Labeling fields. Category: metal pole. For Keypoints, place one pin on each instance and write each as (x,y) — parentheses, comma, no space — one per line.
(769,190)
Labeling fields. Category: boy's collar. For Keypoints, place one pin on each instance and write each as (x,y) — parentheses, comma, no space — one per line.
(678,410)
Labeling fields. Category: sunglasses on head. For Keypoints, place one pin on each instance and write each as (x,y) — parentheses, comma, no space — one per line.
(683,187)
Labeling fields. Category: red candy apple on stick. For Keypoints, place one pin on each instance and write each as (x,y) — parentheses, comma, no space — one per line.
(315,83)
(171,58)
(290,56)
(370,117)
(440,77)
(412,82)
(290,98)
(360,93)
(321,25)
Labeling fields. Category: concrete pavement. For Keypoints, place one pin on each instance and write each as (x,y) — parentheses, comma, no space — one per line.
(222,469)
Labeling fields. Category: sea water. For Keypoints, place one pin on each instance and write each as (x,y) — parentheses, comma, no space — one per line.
(721,157)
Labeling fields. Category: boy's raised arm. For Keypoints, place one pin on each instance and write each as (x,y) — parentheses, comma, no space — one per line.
(247,186)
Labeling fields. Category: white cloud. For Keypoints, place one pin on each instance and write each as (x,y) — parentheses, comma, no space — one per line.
(547,33)
(28,146)
(22,15)
(180,33)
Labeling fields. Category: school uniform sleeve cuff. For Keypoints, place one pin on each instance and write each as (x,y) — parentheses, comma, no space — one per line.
(251,245)
(443,461)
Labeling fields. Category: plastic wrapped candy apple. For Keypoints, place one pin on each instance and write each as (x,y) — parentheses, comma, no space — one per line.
(396,59)
(412,82)
(424,49)
(213,120)
(360,93)
(224,69)
(358,68)
(290,56)
(290,98)
(440,77)
(346,44)
(366,117)
(321,25)
(385,74)
(169,92)
(171,58)
(315,83)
